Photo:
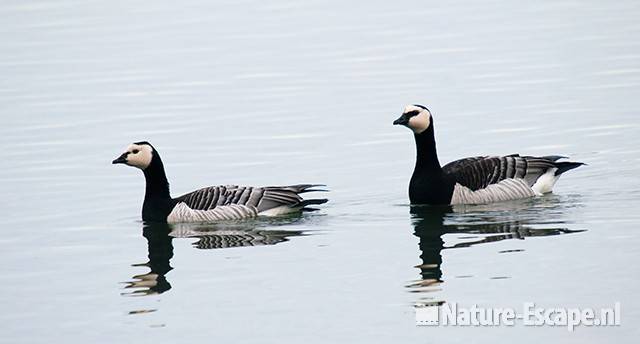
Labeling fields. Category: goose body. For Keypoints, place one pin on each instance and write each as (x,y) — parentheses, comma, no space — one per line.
(476,180)
(210,204)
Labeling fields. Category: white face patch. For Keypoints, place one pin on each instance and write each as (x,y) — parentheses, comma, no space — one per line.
(139,155)
(420,122)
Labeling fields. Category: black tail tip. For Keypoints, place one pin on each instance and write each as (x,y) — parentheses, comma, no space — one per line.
(567,166)
(303,188)
(315,201)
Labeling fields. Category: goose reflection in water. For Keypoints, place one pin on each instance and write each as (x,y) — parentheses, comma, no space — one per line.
(481,224)
(160,248)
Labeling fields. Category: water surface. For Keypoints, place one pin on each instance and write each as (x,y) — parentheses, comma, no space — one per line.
(287,92)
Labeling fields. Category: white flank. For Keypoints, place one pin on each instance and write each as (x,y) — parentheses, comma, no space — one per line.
(506,190)
(277,211)
(545,183)
(182,213)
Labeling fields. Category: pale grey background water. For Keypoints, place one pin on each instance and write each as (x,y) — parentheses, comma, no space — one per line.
(278,92)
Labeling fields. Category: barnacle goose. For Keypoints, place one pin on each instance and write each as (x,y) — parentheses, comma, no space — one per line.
(476,180)
(215,203)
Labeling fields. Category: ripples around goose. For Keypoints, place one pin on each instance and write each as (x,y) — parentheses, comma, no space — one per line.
(444,228)
(160,238)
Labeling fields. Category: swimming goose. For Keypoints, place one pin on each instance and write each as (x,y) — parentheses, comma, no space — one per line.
(476,180)
(215,203)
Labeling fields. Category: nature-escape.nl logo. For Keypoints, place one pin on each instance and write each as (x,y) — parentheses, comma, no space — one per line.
(451,314)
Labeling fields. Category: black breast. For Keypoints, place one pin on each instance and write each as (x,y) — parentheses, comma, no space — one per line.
(157,210)
(430,189)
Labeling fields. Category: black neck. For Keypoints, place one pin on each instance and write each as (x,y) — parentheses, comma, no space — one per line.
(427,156)
(156,179)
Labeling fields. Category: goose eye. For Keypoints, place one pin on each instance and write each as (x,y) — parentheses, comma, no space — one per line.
(135,151)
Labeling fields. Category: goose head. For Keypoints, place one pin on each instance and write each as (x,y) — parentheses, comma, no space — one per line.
(138,155)
(415,117)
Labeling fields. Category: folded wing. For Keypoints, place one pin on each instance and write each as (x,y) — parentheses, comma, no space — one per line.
(479,172)
(232,202)
(489,179)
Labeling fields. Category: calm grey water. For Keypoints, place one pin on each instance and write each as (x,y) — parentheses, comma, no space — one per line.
(280,92)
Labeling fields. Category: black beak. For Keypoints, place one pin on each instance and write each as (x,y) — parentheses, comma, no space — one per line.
(121,159)
(402,120)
